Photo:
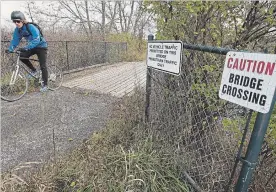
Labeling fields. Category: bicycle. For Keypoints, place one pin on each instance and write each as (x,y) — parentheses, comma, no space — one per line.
(15,82)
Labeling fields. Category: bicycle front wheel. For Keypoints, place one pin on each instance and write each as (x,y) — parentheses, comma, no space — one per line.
(55,77)
(13,86)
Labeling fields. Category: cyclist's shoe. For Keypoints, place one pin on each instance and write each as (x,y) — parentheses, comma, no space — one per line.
(33,74)
(44,89)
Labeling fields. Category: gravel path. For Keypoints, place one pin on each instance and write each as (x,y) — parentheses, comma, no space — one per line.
(27,125)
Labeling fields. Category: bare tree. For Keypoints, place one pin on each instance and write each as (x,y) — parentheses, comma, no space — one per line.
(29,10)
(87,16)
(111,15)
(91,17)
(260,17)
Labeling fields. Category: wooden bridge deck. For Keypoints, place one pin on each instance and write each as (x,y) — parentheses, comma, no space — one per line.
(118,80)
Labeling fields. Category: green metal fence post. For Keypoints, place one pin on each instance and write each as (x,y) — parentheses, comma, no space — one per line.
(254,148)
(148,86)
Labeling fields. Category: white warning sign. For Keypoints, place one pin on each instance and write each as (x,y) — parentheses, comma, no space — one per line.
(165,56)
(249,80)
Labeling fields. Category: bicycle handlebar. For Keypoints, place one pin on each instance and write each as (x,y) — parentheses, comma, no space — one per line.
(17,52)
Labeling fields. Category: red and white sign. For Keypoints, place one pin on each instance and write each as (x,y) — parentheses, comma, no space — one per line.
(249,80)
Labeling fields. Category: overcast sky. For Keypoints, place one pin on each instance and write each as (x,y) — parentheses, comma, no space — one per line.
(6,8)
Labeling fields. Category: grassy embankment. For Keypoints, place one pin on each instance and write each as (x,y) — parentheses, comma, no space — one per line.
(124,156)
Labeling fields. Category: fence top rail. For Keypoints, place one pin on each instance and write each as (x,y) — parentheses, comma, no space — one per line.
(210,49)
(7,41)
(198,47)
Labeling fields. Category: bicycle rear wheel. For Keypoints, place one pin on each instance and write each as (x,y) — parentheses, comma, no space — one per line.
(55,77)
(13,87)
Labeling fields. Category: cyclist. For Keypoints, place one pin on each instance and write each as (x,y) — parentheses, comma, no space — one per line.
(36,45)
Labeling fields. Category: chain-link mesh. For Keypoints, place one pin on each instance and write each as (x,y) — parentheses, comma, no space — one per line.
(193,123)
(71,55)
(201,131)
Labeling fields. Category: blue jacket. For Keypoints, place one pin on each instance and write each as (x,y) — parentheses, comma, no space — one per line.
(35,40)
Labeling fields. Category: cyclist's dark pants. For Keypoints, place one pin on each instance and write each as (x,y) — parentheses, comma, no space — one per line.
(42,56)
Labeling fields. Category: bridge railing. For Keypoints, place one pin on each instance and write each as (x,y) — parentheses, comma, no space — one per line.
(70,55)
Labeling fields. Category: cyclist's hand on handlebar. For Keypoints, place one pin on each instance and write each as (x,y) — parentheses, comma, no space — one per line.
(22,50)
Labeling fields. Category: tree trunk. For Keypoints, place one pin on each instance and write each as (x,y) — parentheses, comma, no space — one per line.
(103,20)
(88,18)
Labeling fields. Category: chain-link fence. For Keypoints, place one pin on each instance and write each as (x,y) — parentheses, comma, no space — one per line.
(186,116)
(201,131)
(70,55)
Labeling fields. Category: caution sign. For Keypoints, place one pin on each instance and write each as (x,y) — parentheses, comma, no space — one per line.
(165,56)
(249,80)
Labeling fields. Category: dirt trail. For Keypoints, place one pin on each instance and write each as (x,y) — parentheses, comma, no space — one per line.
(27,125)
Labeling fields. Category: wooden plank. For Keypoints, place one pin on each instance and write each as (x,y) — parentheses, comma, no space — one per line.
(117,80)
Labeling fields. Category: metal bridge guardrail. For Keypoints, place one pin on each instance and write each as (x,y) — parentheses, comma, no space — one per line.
(70,55)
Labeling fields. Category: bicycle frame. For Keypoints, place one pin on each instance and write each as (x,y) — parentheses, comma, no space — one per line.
(18,65)
(12,92)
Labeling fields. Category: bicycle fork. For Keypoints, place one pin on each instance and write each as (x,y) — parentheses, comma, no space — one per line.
(14,75)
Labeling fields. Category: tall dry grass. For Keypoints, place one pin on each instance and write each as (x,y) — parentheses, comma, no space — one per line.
(121,157)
